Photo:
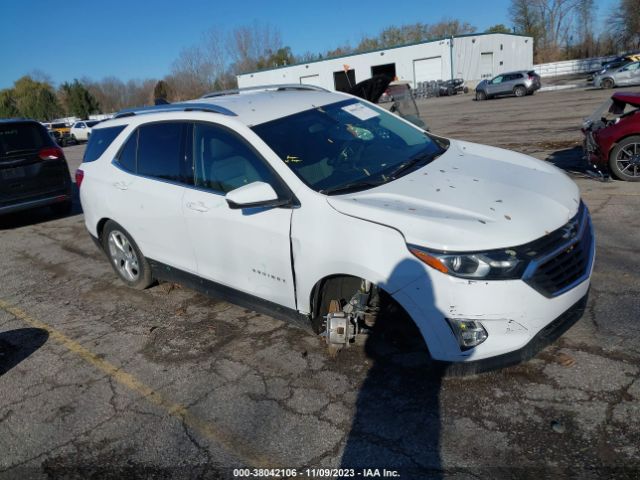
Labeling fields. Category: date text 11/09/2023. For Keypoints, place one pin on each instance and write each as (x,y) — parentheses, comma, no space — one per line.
(315,473)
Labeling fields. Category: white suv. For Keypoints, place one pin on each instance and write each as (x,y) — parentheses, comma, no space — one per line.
(318,206)
(81,131)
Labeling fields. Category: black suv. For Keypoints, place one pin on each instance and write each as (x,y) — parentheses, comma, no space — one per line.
(33,170)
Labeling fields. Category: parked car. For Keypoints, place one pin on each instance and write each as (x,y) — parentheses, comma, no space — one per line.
(33,169)
(519,84)
(612,136)
(81,131)
(629,74)
(321,207)
(613,64)
(61,131)
(451,87)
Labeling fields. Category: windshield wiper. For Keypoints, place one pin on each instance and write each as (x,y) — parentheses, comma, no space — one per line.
(352,187)
(410,164)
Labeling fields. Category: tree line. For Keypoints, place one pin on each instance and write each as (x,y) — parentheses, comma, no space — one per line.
(561,29)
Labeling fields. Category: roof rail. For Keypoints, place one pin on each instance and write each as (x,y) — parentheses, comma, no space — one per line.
(175,107)
(284,86)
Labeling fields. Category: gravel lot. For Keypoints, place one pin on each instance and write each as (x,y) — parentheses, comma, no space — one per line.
(100,381)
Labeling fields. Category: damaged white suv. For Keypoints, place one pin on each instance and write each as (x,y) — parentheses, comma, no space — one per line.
(316,206)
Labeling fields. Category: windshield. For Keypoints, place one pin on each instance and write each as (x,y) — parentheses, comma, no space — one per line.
(348,145)
(600,111)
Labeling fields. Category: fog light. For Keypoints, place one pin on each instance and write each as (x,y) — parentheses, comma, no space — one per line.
(469,333)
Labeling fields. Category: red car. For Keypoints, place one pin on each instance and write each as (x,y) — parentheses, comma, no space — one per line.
(612,136)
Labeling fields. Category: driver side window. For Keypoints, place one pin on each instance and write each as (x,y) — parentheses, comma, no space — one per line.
(223,162)
(497,80)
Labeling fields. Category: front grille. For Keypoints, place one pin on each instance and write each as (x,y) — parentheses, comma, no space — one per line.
(565,259)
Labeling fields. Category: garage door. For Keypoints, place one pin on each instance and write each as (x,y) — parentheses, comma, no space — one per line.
(427,69)
(310,80)
(486,65)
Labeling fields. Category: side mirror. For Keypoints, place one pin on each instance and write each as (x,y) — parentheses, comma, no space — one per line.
(254,195)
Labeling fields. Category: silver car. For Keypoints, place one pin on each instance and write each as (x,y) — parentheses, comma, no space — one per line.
(628,74)
(521,83)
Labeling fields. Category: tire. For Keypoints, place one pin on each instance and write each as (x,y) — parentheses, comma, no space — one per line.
(624,160)
(125,257)
(520,91)
(481,95)
(450,92)
(465,90)
(63,208)
(75,140)
(607,83)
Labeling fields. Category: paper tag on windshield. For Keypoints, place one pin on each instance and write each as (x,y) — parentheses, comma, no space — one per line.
(360,111)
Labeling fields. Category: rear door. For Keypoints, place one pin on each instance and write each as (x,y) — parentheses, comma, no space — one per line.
(27,170)
(508,82)
(245,249)
(624,75)
(147,188)
(634,73)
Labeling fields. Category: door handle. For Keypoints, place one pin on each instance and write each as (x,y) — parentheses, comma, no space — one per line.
(198,207)
(121,185)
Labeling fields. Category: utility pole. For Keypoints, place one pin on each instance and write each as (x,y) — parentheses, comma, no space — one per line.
(451,55)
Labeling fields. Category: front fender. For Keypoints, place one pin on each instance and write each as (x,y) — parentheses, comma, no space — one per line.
(342,245)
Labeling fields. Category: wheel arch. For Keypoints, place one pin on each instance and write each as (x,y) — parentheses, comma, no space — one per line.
(322,286)
(100,226)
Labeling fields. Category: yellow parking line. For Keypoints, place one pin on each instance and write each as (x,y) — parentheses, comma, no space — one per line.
(234,446)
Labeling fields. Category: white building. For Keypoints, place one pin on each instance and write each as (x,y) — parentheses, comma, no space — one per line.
(471,57)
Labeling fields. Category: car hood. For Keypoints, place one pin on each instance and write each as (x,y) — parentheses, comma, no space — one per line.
(473,197)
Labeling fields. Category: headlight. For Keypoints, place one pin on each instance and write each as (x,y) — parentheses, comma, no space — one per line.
(492,265)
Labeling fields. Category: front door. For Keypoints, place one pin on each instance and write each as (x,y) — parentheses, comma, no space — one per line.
(245,249)
(495,85)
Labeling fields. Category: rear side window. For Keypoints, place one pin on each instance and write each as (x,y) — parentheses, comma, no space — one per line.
(19,137)
(127,156)
(99,141)
(160,151)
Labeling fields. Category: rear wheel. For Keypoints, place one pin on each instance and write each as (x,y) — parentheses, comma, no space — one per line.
(607,83)
(520,91)
(125,256)
(481,95)
(624,161)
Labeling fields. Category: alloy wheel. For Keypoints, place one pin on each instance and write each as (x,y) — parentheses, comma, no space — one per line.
(628,160)
(123,255)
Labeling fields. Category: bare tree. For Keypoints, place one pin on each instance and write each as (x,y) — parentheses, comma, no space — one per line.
(246,45)
(586,11)
(625,22)
(549,22)
(449,27)
(192,73)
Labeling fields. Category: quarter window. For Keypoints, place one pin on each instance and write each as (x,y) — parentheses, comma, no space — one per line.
(161,152)
(223,162)
(100,141)
(127,156)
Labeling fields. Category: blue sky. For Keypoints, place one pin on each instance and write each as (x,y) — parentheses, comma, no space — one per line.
(70,39)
